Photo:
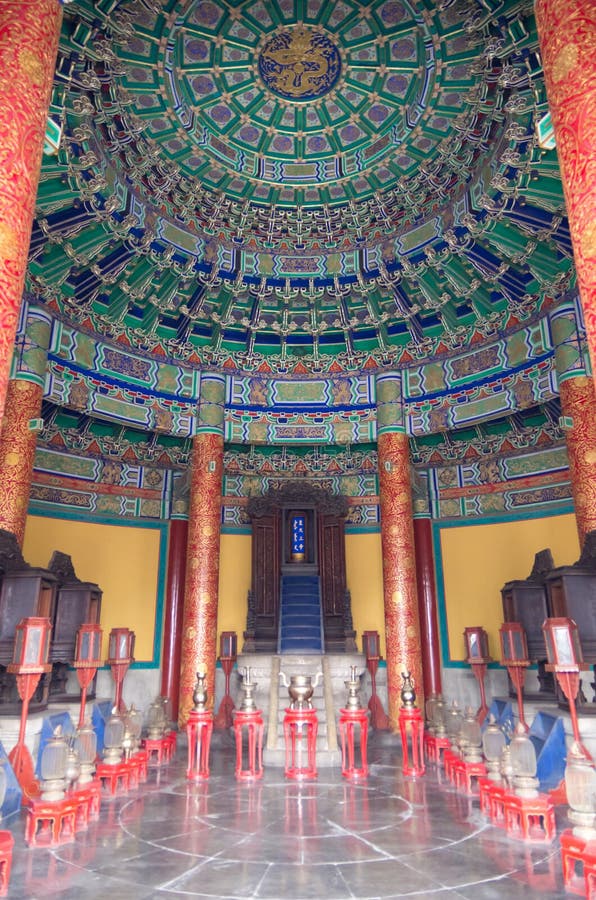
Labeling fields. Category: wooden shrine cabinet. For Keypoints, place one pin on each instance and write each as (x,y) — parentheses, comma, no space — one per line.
(526,601)
(24,591)
(77,602)
(572,593)
(263,598)
(276,551)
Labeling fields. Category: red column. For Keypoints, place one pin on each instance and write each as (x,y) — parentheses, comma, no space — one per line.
(199,631)
(402,630)
(567,36)
(17,453)
(29,31)
(427,606)
(578,405)
(174,611)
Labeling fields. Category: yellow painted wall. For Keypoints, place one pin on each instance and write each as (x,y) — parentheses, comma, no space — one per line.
(121,559)
(364,574)
(234,584)
(479,559)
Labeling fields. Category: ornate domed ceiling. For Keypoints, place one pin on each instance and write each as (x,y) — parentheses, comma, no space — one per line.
(282,182)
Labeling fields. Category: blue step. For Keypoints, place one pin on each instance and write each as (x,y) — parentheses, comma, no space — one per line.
(301,646)
(300,626)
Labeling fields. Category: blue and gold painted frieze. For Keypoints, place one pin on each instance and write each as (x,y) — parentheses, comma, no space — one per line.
(103,486)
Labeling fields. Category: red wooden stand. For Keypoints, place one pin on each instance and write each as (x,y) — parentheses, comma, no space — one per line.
(140,759)
(88,801)
(199,729)
(411,725)
(295,720)
(249,722)
(450,759)
(467,774)
(159,750)
(6,845)
(530,819)
(492,800)
(434,748)
(349,719)
(578,857)
(116,778)
(172,738)
(50,823)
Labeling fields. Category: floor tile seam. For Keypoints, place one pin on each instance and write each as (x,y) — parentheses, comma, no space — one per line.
(465,884)
(439,885)
(520,846)
(255,893)
(356,835)
(349,888)
(190,872)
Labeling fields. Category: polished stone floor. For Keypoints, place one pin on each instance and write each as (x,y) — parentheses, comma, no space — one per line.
(389,837)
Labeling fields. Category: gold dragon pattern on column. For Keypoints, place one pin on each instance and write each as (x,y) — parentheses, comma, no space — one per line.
(567,36)
(17,453)
(198,650)
(29,31)
(21,422)
(578,404)
(402,625)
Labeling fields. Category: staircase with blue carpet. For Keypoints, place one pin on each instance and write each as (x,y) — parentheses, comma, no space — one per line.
(300,628)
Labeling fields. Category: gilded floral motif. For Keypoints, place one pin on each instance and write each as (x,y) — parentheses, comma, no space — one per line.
(578,403)
(30,30)
(402,627)
(199,633)
(567,33)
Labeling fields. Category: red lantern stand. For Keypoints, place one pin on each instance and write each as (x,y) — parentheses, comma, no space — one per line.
(514,655)
(87,660)
(565,659)
(227,657)
(30,662)
(120,656)
(379,719)
(349,720)
(249,723)
(199,729)
(299,723)
(478,658)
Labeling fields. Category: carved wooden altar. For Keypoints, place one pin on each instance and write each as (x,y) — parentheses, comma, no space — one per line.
(24,591)
(323,514)
(77,602)
(526,601)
